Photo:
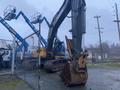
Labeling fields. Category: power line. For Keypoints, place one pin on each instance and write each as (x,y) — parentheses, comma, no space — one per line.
(99,31)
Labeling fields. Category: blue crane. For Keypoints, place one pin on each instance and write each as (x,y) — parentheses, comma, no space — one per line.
(12,15)
(11,30)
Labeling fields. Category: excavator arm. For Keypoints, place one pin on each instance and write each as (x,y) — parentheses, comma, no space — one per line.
(56,22)
(78,24)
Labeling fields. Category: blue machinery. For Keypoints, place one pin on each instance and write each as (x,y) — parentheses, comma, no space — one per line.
(11,30)
(39,19)
(58,46)
(12,15)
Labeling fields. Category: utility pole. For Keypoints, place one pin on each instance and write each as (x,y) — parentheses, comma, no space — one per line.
(117,19)
(100,39)
(13,57)
(39,63)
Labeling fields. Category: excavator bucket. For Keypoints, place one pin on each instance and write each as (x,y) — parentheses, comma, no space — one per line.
(75,71)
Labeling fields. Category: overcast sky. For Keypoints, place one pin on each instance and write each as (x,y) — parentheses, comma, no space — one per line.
(48,8)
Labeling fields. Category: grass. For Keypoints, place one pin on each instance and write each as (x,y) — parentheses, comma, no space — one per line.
(14,85)
(105,65)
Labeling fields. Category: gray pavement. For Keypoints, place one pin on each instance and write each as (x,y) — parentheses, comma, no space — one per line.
(99,79)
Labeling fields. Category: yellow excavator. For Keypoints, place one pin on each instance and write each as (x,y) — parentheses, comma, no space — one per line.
(74,71)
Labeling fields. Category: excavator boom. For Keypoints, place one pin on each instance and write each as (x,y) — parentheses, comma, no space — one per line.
(56,22)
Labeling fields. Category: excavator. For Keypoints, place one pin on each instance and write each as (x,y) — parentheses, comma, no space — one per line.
(74,71)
